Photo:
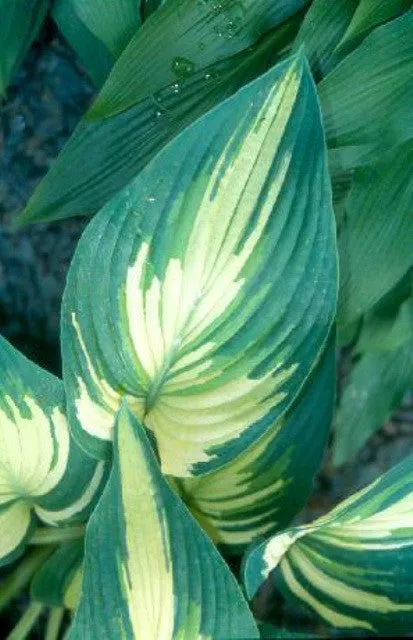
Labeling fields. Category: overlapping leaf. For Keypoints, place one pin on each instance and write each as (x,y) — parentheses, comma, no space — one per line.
(103,155)
(20,22)
(262,490)
(375,388)
(321,31)
(366,99)
(376,240)
(369,14)
(211,282)
(58,581)
(353,567)
(150,571)
(40,464)
(98,30)
(184,36)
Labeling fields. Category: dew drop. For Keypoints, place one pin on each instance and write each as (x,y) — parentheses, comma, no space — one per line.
(182,67)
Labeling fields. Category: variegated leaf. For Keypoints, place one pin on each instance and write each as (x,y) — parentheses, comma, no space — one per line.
(352,567)
(262,490)
(211,281)
(42,469)
(150,571)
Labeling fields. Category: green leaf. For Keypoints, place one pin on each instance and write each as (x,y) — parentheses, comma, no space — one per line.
(20,22)
(262,490)
(149,6)
(150,571)
(104,155)
(182,37)
(278,633)
(369,14)
(352,568)
(54,581)
(376,387)
(211,282)
(41,467)
(98,30)
(376,240)
(387,328)
(321,31)
(366,99)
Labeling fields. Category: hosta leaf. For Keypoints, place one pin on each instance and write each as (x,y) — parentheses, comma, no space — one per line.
(353,567)
(262,490)
(149,6)
(376,387)
(217,289)
(386,329)
(366,99)
(322,29)
(98,30)
(54,582)
(371,13)
(16,526)
(150,572)
(184,36)
(104,155)
(20,22)
(376,240)
(41,466)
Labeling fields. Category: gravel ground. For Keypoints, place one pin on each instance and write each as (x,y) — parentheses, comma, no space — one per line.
(45,102)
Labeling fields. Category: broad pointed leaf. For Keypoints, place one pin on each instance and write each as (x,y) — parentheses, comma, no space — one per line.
(217,288)
(262,490)
(98,30)
(376,240)
(54,582)
(20,21)
(375,388)
(184,36)
(353,567)
(150,571)
(41,466)
(366,99)
(102,156)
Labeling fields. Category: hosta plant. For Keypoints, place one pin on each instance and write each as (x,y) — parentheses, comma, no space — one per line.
(198,331)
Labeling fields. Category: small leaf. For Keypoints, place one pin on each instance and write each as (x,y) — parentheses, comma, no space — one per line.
(387,328)
(278,633)
(218,286)
(20,22)
(150,571)
(352,568)
(262,490)
(53,582)
(41,467)
(376,240)
(366,99)
(376,387)
(97,30)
